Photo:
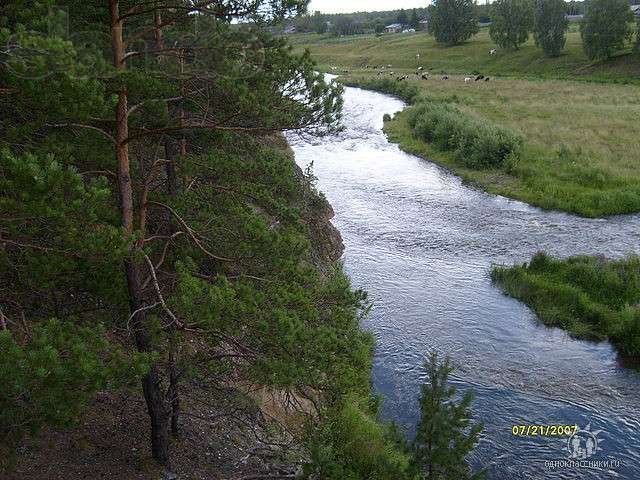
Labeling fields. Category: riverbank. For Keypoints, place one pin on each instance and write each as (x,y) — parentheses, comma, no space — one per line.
(590,297)
(584,166)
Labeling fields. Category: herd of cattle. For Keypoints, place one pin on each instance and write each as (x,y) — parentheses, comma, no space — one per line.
(420,73)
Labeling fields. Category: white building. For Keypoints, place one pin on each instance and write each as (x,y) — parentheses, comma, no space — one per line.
(393,28)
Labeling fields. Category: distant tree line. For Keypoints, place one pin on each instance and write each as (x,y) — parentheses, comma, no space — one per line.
(356,23)
(607,25)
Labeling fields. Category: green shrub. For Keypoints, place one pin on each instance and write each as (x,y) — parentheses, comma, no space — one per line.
(476,144)
(352,445)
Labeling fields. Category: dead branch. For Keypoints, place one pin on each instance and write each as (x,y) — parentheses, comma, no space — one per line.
(190,232)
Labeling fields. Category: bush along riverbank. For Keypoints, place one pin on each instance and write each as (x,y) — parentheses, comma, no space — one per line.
(590,297)
(504,137)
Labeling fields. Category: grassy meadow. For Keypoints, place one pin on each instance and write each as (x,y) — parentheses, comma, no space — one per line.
(579,121)
(400,50)
(590,297)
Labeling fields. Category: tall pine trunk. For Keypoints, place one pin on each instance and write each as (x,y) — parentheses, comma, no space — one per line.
(151,382)
(173,392)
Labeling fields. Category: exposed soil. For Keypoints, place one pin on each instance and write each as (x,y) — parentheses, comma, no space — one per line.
(111,442)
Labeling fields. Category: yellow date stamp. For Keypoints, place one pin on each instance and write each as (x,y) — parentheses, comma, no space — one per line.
(544,430)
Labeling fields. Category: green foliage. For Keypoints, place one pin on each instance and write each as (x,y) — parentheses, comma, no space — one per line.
(60,217)
(606,28)
(445,434)
(353,445)
(61,232)
(295,341)
(49,379)
(476,144)
(452,21)
(550,26)
(511,22)
(590,297)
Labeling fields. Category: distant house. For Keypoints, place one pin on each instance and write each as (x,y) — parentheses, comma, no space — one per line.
(575,18)
(424,25)
(636,11)
(289,30)
(393,28)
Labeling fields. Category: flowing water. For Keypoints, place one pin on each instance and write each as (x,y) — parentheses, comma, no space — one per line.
(422,244)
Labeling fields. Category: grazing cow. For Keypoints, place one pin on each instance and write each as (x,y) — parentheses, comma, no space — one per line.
(479,77)
(486,79)
(492,51)
(425,76)
(445,77)
(420,69)
(467,79)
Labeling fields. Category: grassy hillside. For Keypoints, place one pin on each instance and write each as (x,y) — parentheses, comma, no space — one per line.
(589,296)
(400,51)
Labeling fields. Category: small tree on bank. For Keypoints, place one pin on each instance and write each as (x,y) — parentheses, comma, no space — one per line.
(511,22)
(452,21)
(445,435)
(605,28)
(550,25)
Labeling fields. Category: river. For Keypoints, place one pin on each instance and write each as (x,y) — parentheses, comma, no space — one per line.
(422,244)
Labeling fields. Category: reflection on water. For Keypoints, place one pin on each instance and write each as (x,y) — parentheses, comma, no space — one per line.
(422,244)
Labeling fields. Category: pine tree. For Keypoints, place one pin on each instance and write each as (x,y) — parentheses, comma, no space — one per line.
(606,27)
(452,21)
(445,434)
(511,22)
(550,26)
(153,105)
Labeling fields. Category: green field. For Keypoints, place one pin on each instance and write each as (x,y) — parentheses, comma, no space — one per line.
(590,297)
(582,134)
(400,50)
